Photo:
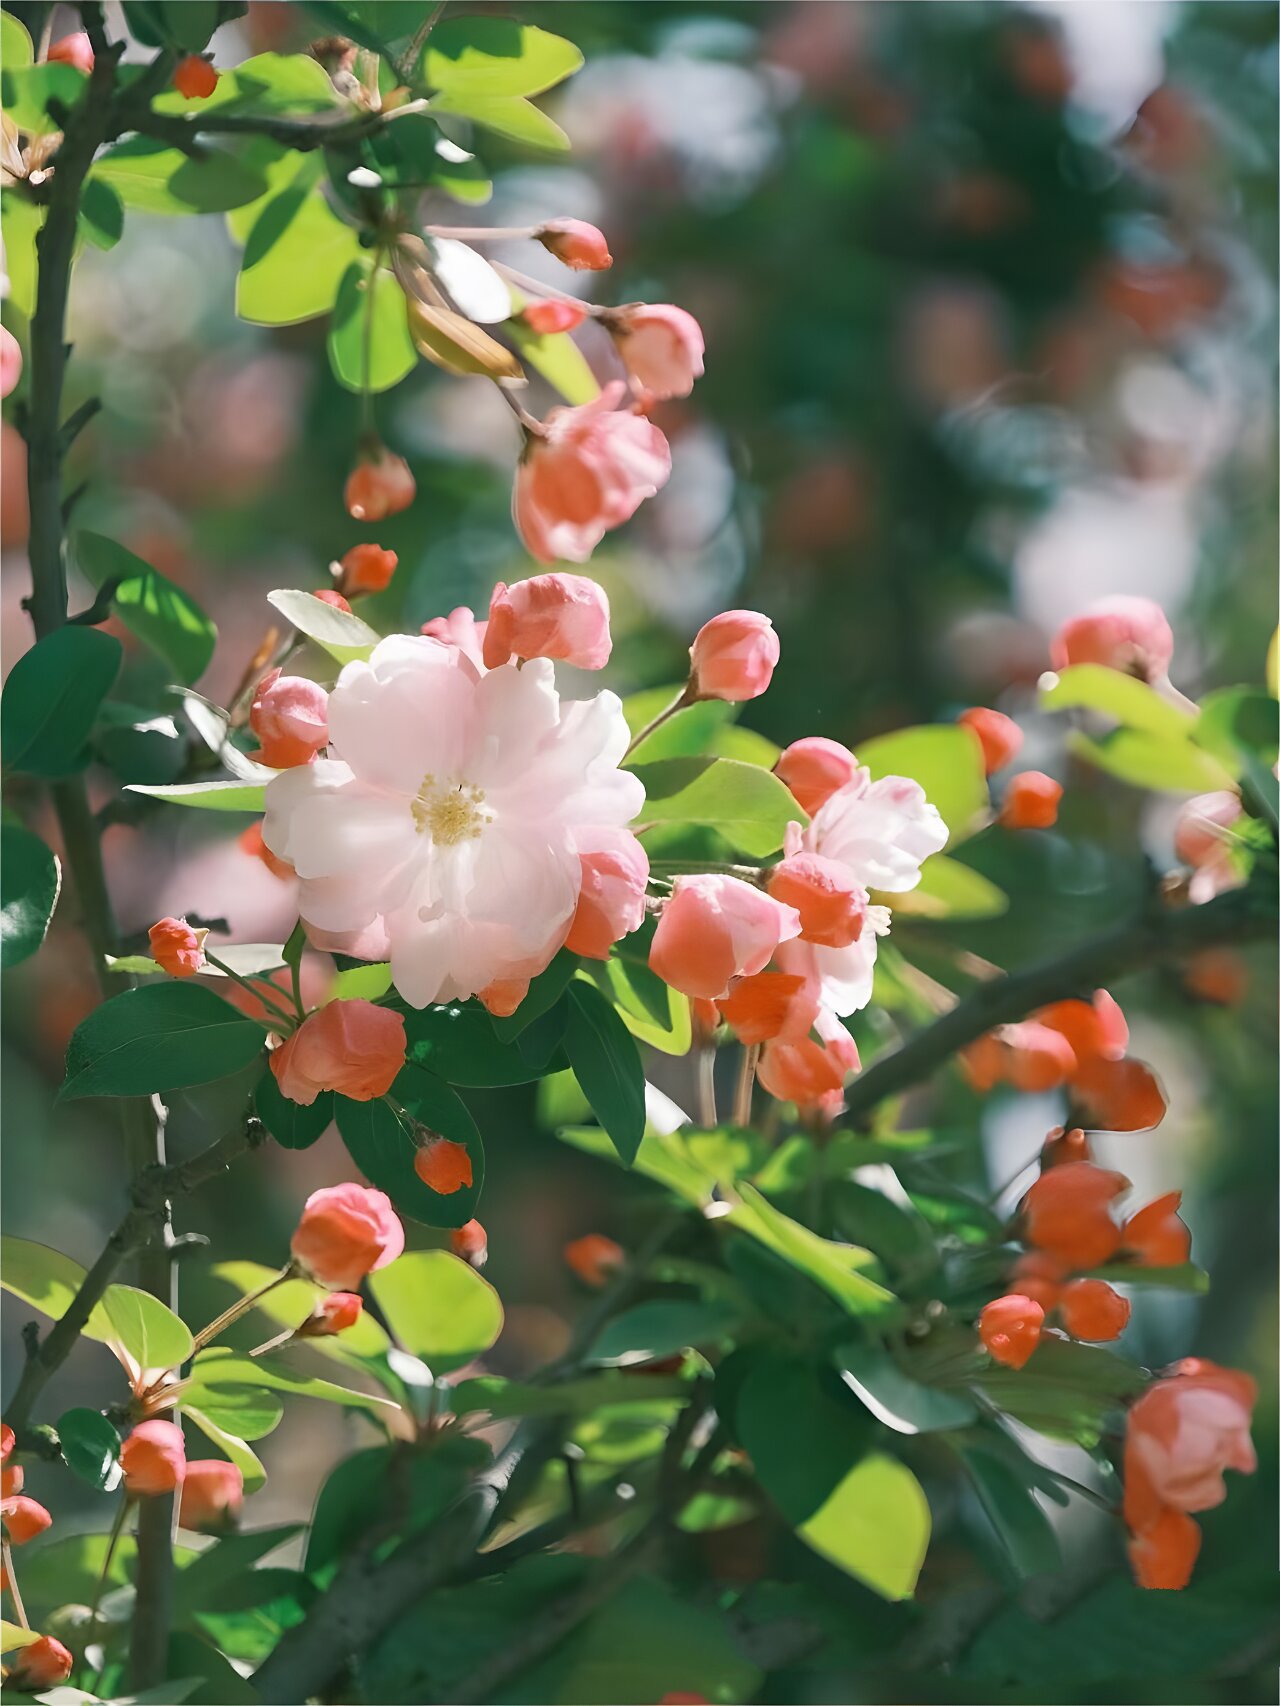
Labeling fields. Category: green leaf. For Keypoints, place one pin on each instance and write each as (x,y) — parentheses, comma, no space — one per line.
(461,1045)
(438,1308)
(1152,761)
(232,1447)
(290,84)
(51,699)
(207,796)
(296,256)
(246,1412)
(1237,721)
(101,214)
(947,763)
(661,1328)
(493,1396)
(1024,1530)
(649,1008)
(369,344)
(22,219)
(217,1368)
(161,614)
(1066,1391)
(48,1281)
(341,634)
(155,179)
(30,881)
(1094,687)
(687,733)
(948,889)
(834,1267)
(27,90)
(800,1432)
(1186,1276)
(90,1447)
(606,1063)
(543,993)
(221,1684)
(875,1526)
(495,56)
(383,1144)
(748,806)
(894,1398)
(362,983)
(151,1333)
(162,1036)
(290,1303)
(292,1125)
(510,116)
(15,44)
(558,359)
(11,1634)
(372,1488)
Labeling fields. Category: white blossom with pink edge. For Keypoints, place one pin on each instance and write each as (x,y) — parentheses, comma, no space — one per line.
(883,832)
(448,819)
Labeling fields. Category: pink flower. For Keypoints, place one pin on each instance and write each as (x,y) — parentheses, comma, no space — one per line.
(366,568)
(615,875)
(380,484)
(176,947)
(1204,840)
(715,929)
(289,717)
(460,628)
(589,470)
(154,1459)
(577,244)
(832,903)
(1185,1430)
(734,656)
(661,347)
(353,1047)
(554,314)
(444,828)
(346,1232)
(1125,633)
(212,1496)
(770,1004)
(559,616)
(813,768)
(811,1074)
(10,361)
(74,49)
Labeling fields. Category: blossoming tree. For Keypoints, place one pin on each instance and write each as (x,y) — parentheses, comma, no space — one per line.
(825,1325)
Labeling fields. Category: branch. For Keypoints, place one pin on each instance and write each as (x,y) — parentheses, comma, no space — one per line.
(1154,936)
(304,135)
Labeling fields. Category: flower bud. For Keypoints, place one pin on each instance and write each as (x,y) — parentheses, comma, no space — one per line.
(1092,1310)
(10,362)
(42,1663)
(443,1166)
(74,49)
(212,1496)
(23,1518)
(176,947)
(811,1074)
(553,314)
(1156,1237)
(576,244)
(770,1004)
(332,1314)
(329,595)
(831,902)
(251,842)
(354,1047)
(594,1258)
(1029,1056)
(290,716)
(565,617)
(470,1243)
(714,929)
(815,768)
(1067,1212)
(1062,1147)
(1163,1554)
(999,736)
(1030,801)
(1124,633)
(1039,1277)
(615,876)
(661,347)
(194,78)
(1010,1327)
(346,1231)
(12,1477)
(154,1459)
(734,656)
(1216,975)
(380,484)
(1118,1095)
(366,568)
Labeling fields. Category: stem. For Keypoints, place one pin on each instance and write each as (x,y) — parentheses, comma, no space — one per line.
(240,1307)
(480,233)
(6,1556)
(683,698)
(707,1086)
(113,1540)
(413,53)
(273,1001)
(746,1084)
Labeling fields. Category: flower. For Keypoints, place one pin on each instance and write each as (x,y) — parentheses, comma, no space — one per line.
(586,470)
(194,78)
(559,616)
(577,244)
(460,628)
(366,568)
(380,484)
(154,1459)
(832,903)
(447,820)
(251,842)
(1009,1327)
(470,1243)
(1203,838)
(733,656)
(12,1477)
(176,947)
(289,716)
(1067,1213)
(10,362)
(999,736)
(770,1004)
(661,346)
(1164,1553)
(553,314)
(1216,975)
(212,1496)
(811,1074)
(615,877)
(1062,1147)
(594,1258)
(1039,1277)
(354,1047)
(23,1518)
(346,1231)
(443,1166)
(42,1663)
(1118,1095)
(1125,633)
(715,929)
(1096,1030)
(814,768)
(1091,1309)
(1155,1236)
(74,49)
(1030,801)
(1029,1056)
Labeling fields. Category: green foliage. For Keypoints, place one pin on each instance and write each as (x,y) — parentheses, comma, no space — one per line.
(905,1405)
(462,1045)
(145,1328)
(30,882)
(1092,687)
(383,1141)
(1022,1527)
(341,634)
(52,697)
(557,358)
(745,804)
(438,1308)
(36,96)
(651,1010)
(292,1125)
(90,1448)
(875,1525)
(369,344)
(161,614)
(153,178)
(207,796)
(495,56)
(606,1063)
(159,1037)
(296,255)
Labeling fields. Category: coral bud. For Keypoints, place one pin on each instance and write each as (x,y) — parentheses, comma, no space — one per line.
(1156,1237)
(1118,1095)
(714,929)
(23,1518)
(1039,1277)
(770,1004)
(553,314)
(615,876)
(154,1459)
(815,768)
(346,1231)
(1095,1029)
(176,947)
(1129,634)
(10,361)
(8,1440)
(443,1166)
(329,595)
(831,902)
(1062,1147)
(734,656)
(1030,801)
(1217,975)
(811,1074)
(251,842)
(194,78)
(380,484)
(560,616)
(1029,1056)
(354,1047)
(366,568)
(1092,1310)
(74,49)
(212,1496)
(470,1243)
(999,736)
(290,716)
(332,1314)
(1067,1212)
(576,244)
(11,1480)
(1163,1554)
(661,347)
(594,1258)
(42,1663)
(1010,1328)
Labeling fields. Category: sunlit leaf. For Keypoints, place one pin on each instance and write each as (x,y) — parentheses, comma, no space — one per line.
(438,1308)
(162,615)
(343,635)
(875,1526)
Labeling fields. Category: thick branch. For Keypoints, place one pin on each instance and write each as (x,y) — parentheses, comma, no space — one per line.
(1148,940)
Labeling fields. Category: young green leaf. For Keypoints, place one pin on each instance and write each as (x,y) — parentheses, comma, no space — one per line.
(606,1063)
(151,1333)
(510,116)
(748,806)
(947,763)
(835,1267)
(1144,760)
(875,1526)
(296,256)
(560,362)
(29,91)
(52,697)
(30,881)
(147,175)
(496,56)
(48,1281)
(342,635)
(369,344)
(162,1036)
(161,614)
(207,796)
(438,1308)
(1094,687)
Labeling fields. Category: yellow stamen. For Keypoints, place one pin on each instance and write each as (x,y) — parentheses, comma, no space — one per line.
(449,813)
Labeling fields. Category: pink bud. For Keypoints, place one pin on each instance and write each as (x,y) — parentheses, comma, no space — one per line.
(470,1243)
(770,1004)
(1202,835)
(154,1459)
(74,49)
(661,347)
(1129,634)
(714,929)
(330,595)
(811,1073)
(815,768)
(332,1314)
(290,716)
(354,1047)
(10,361)
(831,902)
(734,656)
(615,875)
(212,1496)
(42,1663)
(1010,1327)
(577,244)
(999,736)
(379,485)
(549,616)
(23,1518)
(346,1232)
(555,314)
(176,947)
(459,628)
(1030,801)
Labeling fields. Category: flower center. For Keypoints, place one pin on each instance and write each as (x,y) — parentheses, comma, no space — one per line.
(448,811)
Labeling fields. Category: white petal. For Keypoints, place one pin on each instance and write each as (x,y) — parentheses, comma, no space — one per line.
(469,282)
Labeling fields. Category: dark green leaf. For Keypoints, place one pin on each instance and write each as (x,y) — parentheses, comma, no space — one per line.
(220,1682)
(1238,720)
(459,1044)
(90,1447)
(1024,1530)
(894,1398)
(30,879)
(606,1063)
(161,614)
(101,214)
(383,1143)
(162,1036)
(51,699)
(660,1328)
(801,1431)
(292,1125)
(543,993)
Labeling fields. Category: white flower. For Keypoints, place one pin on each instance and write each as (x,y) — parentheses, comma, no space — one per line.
(448,818)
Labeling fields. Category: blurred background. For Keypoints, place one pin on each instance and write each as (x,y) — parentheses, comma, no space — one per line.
(989,299)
